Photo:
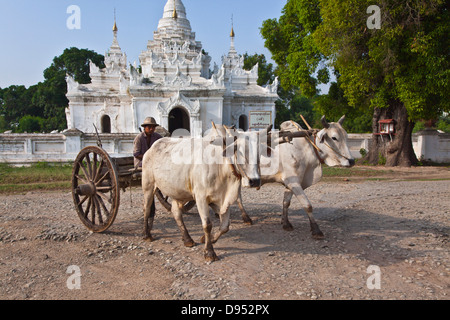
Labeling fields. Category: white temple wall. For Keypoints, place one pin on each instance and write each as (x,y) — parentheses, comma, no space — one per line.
(211,110)
(22,149)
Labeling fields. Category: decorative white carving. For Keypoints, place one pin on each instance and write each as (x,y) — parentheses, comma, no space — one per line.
(94,70)
(178,80)
(124,84)
(179,100)
(72,85)
(136,78)
(218,78)
(273,88)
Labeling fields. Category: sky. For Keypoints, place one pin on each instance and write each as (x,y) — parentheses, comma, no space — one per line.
(32,33)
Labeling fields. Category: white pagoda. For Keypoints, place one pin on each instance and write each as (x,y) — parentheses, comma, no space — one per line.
(173,84)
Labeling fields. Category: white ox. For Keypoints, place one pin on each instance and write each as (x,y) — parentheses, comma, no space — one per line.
(300,166)
(197,169)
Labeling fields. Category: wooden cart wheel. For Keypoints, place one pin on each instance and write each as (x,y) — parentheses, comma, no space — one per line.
(95,189)
(168,204)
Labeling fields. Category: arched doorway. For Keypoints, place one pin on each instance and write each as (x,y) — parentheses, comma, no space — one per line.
(179,119)
(243,122)
(106,124)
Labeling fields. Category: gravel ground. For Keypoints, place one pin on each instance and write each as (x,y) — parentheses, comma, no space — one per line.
(400,226)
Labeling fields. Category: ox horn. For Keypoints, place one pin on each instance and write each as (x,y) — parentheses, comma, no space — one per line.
(325,123)
(215,128)
(341,120)
(228,130)
(266,130)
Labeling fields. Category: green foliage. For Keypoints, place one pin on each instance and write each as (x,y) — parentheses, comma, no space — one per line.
(3,124)
(30,124)
(265,69)
(334,105)
(15,103)
(51,94)
(292,103)
(444,124)
(46,100)
(293,48)
(292,106)
(405,62)
(381,159)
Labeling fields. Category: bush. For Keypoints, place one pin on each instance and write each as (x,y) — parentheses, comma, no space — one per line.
(30,124)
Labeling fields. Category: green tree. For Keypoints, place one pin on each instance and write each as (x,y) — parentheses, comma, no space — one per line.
(293,48)
(292,103)
(46,100)
(15,103)
(50,95)
(30,124)
(334,105)
(400,71)
(265,69)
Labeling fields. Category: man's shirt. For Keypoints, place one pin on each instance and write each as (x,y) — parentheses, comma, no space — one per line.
(141,146)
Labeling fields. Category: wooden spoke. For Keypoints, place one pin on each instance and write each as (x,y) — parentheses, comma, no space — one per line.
(88,207)
(82,201)
(102,178)
(93,211)
(97,173)
(102,204)
(80,178)
(105,197)
(108,188)
(84,170)
(89,166)
(99,212)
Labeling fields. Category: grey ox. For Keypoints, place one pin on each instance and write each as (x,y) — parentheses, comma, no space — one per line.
(206,170)
(300,166)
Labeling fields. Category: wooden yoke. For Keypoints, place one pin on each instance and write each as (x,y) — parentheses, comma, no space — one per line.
(314,132)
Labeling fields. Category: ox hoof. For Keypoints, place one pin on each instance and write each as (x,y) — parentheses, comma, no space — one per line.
(316,233)
(288,227)
(148,239)
(318,236)
(247,221)
(211,257)
(189,243)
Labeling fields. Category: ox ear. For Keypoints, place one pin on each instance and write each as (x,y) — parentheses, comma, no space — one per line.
(321,135)
(341,120)
(325,123)
(230,149)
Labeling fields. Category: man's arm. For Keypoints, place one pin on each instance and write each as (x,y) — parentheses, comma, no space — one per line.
(137,152)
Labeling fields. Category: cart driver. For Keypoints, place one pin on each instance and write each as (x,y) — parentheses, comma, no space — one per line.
(145,140)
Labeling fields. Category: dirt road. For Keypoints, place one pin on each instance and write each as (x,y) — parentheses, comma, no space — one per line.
(386,239)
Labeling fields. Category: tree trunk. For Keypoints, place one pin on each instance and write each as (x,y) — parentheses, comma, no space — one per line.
(397,149)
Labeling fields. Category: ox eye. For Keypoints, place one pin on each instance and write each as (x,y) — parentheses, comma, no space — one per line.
(334,138)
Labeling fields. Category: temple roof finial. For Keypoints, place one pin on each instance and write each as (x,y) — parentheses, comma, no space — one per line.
(115,29)
(174,14)
(232,34)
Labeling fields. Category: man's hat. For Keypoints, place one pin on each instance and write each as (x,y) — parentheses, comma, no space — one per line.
(150,122)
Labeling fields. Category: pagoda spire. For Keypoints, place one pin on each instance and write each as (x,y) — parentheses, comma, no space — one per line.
(233,51)
(115,29)
(175,13)
(115,48)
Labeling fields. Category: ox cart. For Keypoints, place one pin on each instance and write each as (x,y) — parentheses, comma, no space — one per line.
(98,178)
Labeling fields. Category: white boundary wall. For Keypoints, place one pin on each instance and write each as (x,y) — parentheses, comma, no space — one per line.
(21,149)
